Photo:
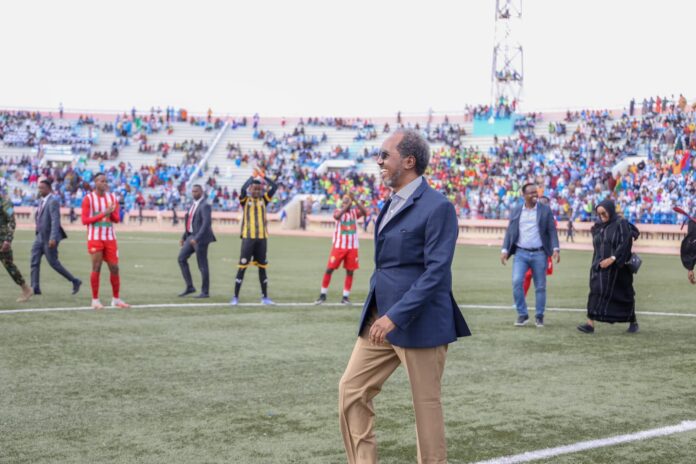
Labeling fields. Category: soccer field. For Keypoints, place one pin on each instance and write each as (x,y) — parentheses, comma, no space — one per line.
(210,383)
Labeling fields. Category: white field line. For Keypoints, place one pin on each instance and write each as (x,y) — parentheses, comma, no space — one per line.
(174,240)
(292,305)
(685,426)
(162,305)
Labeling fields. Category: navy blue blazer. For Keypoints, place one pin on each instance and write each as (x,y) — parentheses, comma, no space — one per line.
(547,230)
(412,281)
(201,224)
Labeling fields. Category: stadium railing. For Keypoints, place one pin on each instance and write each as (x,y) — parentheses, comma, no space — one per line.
(489,228)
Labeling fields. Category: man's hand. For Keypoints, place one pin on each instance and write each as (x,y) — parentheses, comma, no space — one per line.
(692,277)
(380,329)
(110,209)
(51,244)
(6,246)
(556,256)
(193,242)
(504,258)
(181,242)
(605,263)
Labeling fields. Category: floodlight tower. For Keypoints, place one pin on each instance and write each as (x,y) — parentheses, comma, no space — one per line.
(507,76)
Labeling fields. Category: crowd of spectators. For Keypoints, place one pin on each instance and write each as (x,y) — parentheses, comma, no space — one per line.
(576,163)
(33,130)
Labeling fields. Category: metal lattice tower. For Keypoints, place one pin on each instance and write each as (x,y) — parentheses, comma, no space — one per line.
(507,77)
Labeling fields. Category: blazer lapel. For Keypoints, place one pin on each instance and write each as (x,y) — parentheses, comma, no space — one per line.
(540,213)
(197,215)
(409,202)
(382,212)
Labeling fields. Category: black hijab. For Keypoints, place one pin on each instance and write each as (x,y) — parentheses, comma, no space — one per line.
(610,208)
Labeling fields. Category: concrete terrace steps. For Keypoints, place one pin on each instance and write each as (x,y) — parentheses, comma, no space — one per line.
(130,154)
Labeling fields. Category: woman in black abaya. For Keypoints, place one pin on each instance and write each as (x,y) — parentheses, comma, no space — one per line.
(612,298)
(688,251)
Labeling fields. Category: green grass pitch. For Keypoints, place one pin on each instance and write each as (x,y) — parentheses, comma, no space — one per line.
(259,384)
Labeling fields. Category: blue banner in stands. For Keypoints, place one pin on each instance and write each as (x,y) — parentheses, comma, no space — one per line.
(502,127)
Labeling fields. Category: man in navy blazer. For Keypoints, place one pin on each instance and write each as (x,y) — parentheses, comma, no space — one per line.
(410,315)
(531,236)
(49,233)
(198,234)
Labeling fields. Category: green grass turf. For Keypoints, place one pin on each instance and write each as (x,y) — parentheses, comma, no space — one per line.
(259,384)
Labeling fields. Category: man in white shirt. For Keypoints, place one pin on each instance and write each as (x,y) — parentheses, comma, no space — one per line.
(532,236)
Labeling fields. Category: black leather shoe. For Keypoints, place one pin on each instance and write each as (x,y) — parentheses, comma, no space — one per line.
(37,291)
(633,328)
(586,328)
(188,291)
(202,295)
(77,283)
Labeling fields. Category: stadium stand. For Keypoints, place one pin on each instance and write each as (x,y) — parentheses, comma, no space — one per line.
(644,160)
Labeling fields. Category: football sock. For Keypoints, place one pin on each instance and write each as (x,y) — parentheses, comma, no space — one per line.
(238,281)
(115,285)
(94,282)
(325,282)
(264,282)
(347,285)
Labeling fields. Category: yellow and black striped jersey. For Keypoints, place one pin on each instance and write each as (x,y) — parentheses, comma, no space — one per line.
(254,221)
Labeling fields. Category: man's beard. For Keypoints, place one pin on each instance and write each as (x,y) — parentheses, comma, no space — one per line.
(395,177)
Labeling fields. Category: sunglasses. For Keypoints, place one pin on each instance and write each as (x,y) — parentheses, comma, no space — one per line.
(383,155)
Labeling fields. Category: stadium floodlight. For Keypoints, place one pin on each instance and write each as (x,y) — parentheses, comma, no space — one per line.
(507,74)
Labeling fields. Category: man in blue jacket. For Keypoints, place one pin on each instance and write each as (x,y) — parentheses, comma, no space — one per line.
(531,236)
(410,315)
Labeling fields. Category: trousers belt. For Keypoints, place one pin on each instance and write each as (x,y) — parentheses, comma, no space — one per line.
(531,249)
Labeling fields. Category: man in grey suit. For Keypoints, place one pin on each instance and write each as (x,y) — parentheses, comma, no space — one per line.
(531,236)
(49,233)
(198,234)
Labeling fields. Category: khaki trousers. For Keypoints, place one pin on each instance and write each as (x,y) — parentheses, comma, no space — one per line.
(369,367)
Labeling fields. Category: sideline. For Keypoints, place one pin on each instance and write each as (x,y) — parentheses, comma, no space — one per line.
(293,305)
(685,426)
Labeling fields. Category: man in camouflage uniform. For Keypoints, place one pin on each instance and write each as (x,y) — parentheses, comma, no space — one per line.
(7,227)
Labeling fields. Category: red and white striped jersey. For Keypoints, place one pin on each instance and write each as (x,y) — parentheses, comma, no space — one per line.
(345,236)
(92,206)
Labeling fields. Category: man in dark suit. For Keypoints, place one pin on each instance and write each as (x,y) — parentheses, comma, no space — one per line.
(49,233)
(410,315)
(198,234)
(531,236)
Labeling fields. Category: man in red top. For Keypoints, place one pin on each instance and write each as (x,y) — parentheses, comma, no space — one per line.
(345,246)
(100,211)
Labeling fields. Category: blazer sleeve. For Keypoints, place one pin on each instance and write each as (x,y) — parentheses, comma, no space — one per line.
(185,234)
(553,231)
(508,238)
(206,219)
(54,211)
(507,241)
(440,239)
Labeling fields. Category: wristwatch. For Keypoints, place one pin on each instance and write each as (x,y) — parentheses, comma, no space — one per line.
(613,257)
